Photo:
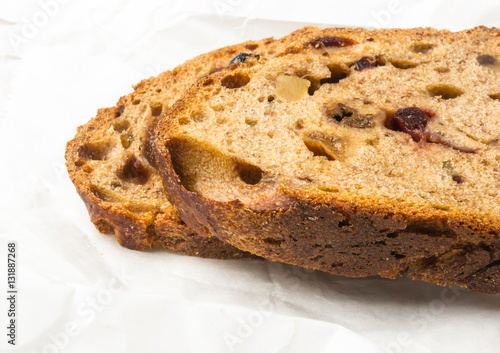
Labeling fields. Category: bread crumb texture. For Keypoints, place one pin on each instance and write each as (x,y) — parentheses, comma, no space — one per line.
(359,152)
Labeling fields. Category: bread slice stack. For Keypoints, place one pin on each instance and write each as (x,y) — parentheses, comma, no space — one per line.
(111,163)
(355,152)
(350,151)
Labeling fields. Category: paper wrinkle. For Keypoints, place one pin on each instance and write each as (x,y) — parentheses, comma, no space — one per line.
(86,57)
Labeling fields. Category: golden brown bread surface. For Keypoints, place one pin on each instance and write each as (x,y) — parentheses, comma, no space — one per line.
(110,163)
(358,153)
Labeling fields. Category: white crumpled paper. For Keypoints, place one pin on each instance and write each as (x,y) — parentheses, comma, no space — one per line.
(78,291)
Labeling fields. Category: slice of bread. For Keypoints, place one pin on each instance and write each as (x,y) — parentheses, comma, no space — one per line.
(114,172)
(358,153)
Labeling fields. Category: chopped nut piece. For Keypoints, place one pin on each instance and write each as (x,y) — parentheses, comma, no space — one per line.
(292,88)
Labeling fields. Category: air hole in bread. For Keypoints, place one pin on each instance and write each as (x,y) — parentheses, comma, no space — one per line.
(444,91)
(270,134)
(270,98)
(95,150)
(458,178)
(136,101)
(134,171)
(442,69)
(199,166)
(251,121)
(156,108)
(397,256)
(299,124)
(235,80)
(392,235)
(495,96)
(180,151)
(126,139)
(100,194)
(198,117)
(422,48)
(250,174)
(337,73)
(208,82)
(272,241)
(121,125)
(402,63)
(251,46)
(389,115)
(316,258)
(318,149)
(322,146)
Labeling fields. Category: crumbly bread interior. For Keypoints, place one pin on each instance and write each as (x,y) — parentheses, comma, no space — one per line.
(113,169)
(312,120)
(356,152)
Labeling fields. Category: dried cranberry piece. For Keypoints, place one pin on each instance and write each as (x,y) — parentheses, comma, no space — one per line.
(119,111)
(364,63)
(413,121)
(333,42)
(241,58)
(486,60)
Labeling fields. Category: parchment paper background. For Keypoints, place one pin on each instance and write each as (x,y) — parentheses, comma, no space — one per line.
(80,292)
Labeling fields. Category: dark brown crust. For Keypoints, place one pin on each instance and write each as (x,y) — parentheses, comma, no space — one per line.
(355,238)
(344,238)
(145,230)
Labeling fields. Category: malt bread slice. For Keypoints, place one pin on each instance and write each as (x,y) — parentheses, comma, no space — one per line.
(358,153)
(114,172)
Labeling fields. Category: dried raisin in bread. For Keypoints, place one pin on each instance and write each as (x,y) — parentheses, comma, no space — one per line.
(357,153)
(110,163)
